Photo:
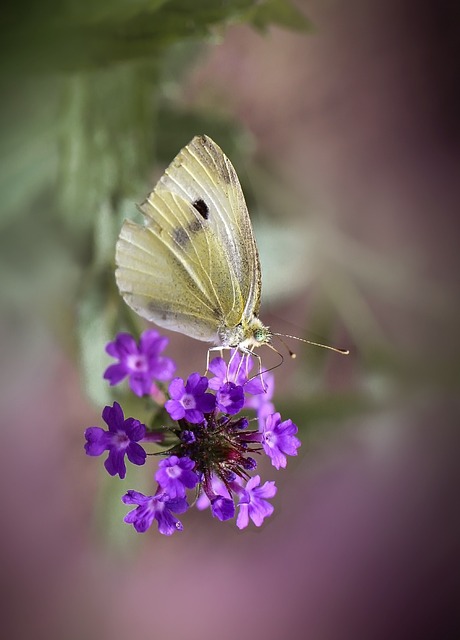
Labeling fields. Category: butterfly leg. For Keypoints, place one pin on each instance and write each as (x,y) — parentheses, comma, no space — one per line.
(251,352)
(220,350)
(240,362)
(245,355)
(261,373)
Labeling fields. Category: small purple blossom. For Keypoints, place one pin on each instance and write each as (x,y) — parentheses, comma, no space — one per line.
(253,504)
(249,464)
(190,401)
(237,371)
(279,440)
(217,488)
(222,508)
(121,439)
(141,363)
(234,372)
(187,436)
(150,508)
(230,398)
(175,475)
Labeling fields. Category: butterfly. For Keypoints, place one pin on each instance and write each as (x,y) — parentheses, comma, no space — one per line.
(193,266)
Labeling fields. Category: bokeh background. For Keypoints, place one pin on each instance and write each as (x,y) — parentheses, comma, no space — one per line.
(342,122)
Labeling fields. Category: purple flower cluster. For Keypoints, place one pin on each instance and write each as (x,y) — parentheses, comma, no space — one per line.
(212,448)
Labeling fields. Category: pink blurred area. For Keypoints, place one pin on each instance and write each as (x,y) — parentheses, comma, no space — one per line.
(365,541)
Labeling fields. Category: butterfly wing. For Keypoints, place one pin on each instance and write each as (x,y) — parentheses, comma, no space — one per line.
(193,267)
(202,174)
(164,268)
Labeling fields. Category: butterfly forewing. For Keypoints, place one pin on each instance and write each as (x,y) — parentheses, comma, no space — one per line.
(201,173)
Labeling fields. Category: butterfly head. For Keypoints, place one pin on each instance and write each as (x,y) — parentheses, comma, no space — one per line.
(259,334)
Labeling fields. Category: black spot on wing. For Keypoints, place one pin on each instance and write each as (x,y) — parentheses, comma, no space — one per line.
(202,208)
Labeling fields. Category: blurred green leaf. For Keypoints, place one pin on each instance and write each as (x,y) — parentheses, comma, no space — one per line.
(106,139)
(28,129)
(280,12)
(179,125)
(64,36)
(97,313)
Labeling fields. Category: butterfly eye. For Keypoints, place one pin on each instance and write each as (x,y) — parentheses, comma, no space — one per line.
(202,208)
(261,335)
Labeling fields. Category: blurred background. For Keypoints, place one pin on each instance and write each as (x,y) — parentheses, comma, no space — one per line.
(342,122)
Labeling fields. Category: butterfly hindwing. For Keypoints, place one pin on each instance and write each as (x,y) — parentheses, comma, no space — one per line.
(167,268)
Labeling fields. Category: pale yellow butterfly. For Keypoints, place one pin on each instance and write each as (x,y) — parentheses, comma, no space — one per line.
(193,266)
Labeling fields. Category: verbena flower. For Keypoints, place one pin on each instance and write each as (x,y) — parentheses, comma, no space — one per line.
(211,446)
(230,398)
(279,440)
(190,400)
(218,487)
(253,504)
(222,508)
(150,508)
(141,362)
(121,439)
(237,371)
(175,475)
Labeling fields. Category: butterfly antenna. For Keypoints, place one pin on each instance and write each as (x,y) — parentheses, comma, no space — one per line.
(270,346)
(262,371)
(288,349)
(343,352)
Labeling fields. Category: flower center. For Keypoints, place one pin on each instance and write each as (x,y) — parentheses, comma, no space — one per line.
(225,399)
(173,472)
(270,438)
(188,401)
(121,439)
(154,506)
(137,362)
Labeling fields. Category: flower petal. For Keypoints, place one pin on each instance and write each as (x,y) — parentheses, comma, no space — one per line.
(97,441)
(136,453)
(115,373)
(115,463)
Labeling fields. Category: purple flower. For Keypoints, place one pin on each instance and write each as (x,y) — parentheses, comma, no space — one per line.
(121,438)
(142,363)
(230,398)
(235,372)
(217,488)
(222,508)
(175,475)
(190,401)
(253,503)
(152,508)
(278,440)
(187,436)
